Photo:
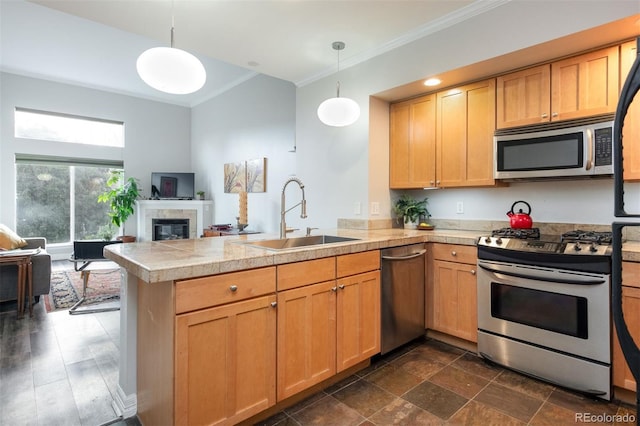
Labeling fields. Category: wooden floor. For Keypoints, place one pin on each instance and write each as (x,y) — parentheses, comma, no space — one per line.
(58,369)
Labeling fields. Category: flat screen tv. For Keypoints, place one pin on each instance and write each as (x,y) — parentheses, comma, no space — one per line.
(172,186)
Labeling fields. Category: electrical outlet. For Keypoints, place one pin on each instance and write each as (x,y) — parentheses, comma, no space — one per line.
(459,207)
(375,208)
(357,208)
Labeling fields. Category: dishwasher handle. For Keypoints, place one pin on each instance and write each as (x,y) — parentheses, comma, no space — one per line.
(411,256)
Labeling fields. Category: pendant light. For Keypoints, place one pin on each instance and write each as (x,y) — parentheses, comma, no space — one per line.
(171,70)
(338,112)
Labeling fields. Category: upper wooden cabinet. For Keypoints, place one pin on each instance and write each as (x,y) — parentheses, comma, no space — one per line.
(631,125)
(464,142)
(443,140)
(575,87)
(412,143)
(523,97)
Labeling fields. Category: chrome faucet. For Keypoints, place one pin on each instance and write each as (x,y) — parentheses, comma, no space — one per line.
(283,212)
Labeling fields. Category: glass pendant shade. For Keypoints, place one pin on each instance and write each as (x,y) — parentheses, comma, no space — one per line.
(171,70)
(338,112)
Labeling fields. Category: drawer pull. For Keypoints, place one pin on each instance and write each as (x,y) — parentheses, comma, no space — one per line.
(453,253)
(473,272)
(334,288)
(233,288)
(274,304)
(341,286)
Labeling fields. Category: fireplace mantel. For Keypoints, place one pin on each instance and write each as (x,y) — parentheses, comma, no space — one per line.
(198,212)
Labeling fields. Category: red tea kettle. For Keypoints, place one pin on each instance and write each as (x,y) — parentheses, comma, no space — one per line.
(520,220)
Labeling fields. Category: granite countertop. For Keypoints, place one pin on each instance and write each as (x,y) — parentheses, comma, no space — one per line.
(156,261)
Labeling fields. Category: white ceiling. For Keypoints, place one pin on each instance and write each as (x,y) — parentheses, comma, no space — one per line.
(96,43)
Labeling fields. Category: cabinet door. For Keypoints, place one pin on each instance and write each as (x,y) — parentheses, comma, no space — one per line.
(358,319)
(622,376)
(466,124)
(306,337)
(523,97)
(225,362)
(454,300)
(631,125)
(412,143)
(585,85)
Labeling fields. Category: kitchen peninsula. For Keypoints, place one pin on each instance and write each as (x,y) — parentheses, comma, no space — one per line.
(210,302)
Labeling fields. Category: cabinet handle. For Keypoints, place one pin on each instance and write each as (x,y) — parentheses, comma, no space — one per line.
(274,304)
(473,272)
(437,182)
(544,115)
(453,253)
(555,114)
(334,288)
(341,286)
(233,288)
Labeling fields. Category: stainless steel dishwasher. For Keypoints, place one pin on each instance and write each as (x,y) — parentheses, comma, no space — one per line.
(402,304)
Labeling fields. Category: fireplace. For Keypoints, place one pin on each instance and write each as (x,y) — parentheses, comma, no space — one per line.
(199,213)
(170,229)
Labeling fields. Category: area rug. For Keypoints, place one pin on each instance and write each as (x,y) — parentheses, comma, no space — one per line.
(66,289)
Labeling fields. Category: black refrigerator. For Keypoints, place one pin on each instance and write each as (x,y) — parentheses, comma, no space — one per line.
(629,347)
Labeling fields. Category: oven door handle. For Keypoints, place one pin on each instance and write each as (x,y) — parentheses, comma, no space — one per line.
(545,279)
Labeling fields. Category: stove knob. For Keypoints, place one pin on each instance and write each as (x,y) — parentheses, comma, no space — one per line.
(577,247)
(593,248)
(498,240)
(487,240)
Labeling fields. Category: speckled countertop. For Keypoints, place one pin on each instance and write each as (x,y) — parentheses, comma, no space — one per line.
(156,261)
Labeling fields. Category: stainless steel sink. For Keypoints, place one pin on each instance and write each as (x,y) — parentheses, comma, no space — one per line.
(297,242)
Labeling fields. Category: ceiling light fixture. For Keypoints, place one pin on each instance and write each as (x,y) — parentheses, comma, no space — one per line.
(338,112)
(171,70)
(432,82)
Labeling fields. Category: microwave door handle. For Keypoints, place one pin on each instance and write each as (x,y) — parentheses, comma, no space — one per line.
(589,161)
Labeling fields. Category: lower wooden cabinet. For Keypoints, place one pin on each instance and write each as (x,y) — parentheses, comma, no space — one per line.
(306,337)
(453,305)
(622,376)
(225,362)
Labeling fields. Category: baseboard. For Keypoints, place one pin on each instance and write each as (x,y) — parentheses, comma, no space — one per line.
(125,405)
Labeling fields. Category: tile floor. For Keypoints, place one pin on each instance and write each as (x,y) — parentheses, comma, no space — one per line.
(58,369)
(431,383)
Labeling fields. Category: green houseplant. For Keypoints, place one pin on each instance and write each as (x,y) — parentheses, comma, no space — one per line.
(410,209)
(121,196)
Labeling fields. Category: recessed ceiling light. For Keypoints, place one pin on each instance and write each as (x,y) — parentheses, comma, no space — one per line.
(253,64)
(432,82)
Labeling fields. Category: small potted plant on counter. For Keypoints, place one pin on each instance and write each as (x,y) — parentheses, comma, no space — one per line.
(200,195)
(121,196)
(412,212)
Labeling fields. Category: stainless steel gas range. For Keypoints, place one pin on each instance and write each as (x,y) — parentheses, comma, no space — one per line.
(544,308)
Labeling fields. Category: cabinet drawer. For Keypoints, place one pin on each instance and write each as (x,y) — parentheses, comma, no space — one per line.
(292,275)
(352,264)
(455,253)
(631,274)
(199,293)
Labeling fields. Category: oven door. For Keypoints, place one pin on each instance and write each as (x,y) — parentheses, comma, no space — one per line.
(565,311)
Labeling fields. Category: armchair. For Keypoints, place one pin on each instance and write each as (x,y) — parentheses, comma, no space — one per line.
(41,273)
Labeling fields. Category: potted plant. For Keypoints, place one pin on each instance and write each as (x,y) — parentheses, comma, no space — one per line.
(121,196)
(410,210)
(200,195)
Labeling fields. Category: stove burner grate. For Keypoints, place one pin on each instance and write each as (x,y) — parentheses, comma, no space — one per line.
(588,237)
(522,234)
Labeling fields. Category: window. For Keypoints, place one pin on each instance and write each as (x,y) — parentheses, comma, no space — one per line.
(57,198)
(48,126)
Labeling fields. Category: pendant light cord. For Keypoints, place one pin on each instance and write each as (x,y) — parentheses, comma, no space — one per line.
(338,46)
(172,24)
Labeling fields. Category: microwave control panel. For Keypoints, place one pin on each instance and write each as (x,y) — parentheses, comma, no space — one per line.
(603,146)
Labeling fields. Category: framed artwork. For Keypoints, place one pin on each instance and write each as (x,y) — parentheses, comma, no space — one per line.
(168,187)
(235,177)
(256,175)
(247,176)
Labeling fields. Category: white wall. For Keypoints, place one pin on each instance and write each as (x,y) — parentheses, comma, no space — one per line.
(157,135)
(254,120)
(336,158)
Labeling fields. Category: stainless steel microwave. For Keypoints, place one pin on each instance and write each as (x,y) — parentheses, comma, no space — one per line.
(568,149)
